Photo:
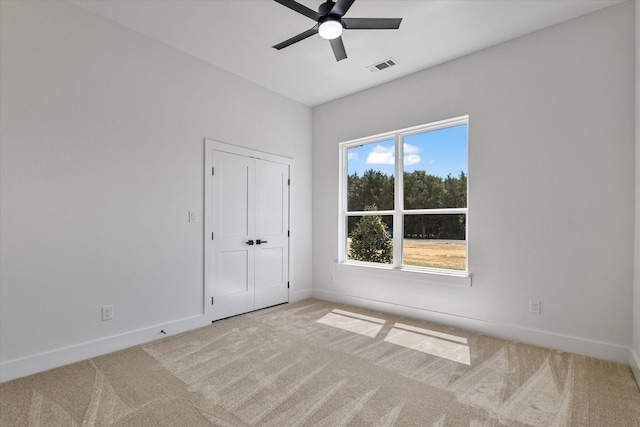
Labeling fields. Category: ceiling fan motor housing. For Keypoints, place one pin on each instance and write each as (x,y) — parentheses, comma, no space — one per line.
(326,7)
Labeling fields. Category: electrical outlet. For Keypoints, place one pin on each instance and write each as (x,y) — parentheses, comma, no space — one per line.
(107,312)
(535,307)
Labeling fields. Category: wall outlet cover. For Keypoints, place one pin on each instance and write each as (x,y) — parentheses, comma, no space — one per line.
(107,312)
(535,307)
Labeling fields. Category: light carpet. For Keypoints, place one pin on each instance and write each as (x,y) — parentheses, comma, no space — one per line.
(315,363)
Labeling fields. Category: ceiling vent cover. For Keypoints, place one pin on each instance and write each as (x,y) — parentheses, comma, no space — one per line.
(382,65)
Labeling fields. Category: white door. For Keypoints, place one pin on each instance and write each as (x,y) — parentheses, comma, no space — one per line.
(271,231)
(249,257)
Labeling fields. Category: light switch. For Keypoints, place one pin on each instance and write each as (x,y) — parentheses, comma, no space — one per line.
(192,216)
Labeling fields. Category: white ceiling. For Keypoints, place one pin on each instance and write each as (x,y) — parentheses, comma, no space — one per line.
(238,35)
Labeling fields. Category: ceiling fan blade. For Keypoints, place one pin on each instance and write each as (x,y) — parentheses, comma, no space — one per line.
(304,10)
(338,49)
(296,39)
(341,7)
(371,23)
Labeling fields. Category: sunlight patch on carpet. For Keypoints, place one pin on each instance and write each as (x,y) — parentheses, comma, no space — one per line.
(438,344)
(353,322)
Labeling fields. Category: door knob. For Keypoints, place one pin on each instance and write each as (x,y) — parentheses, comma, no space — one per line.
(250,242)
(259,242)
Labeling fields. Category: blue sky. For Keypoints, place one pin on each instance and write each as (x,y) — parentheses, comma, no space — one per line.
(439,152)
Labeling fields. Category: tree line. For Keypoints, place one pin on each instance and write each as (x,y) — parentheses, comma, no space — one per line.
(421,191)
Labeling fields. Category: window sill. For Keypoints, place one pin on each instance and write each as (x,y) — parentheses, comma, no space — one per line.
(447,278)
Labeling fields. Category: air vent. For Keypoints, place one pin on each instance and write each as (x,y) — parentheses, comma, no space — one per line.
(382,65)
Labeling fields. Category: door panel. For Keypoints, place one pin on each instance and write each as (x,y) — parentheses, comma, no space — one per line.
(272,225)
(233,275)
(271,188)
(234,211)
(233,219)
(269,267)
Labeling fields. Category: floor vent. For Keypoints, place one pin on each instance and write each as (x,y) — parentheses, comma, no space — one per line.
(382,65)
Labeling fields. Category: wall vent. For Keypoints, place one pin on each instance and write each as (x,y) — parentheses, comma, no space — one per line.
(382,65)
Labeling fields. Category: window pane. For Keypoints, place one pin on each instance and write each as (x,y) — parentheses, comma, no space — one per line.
(435,169)
(370,169)
(370,238)
(436,241)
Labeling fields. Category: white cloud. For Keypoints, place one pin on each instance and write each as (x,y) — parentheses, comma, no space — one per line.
(430,162)
(385,155)
(353,156)
(411,159)
(411,149)
(381,156)
(410,154)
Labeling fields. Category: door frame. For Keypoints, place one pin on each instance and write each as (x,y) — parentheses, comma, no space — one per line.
(209,146)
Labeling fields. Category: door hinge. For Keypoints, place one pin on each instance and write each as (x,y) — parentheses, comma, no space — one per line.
(288,233)
(287,285)
(211,300)
(289,181)
(213,171)
(212,235)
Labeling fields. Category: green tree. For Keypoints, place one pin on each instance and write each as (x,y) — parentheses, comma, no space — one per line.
(423,191)
(455,195)
(370,240)
(373,188)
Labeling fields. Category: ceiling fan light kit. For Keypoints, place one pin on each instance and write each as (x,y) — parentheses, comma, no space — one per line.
(330,23)
(330,29)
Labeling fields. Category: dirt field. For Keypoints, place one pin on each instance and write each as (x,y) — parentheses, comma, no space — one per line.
(435,254)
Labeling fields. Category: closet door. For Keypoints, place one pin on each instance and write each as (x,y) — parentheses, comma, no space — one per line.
(247,266)
(271,231)
(233,234)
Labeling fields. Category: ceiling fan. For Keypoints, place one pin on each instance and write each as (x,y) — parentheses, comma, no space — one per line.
(330,23)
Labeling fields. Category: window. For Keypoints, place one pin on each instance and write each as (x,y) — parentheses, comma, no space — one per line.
(403,199)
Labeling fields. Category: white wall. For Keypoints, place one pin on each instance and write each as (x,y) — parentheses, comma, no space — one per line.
(635,350)
(102,156)
(551,179)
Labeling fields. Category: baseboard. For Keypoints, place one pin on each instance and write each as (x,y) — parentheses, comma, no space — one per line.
(634,362)
(296,296)
(63,356)
(570,344)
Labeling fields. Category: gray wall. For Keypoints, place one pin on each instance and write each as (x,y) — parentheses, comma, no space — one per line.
(551,179)
(102,157)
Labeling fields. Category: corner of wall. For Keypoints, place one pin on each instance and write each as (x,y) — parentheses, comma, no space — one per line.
(300,295)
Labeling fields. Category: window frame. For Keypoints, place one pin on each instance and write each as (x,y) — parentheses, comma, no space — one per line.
(398,212)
